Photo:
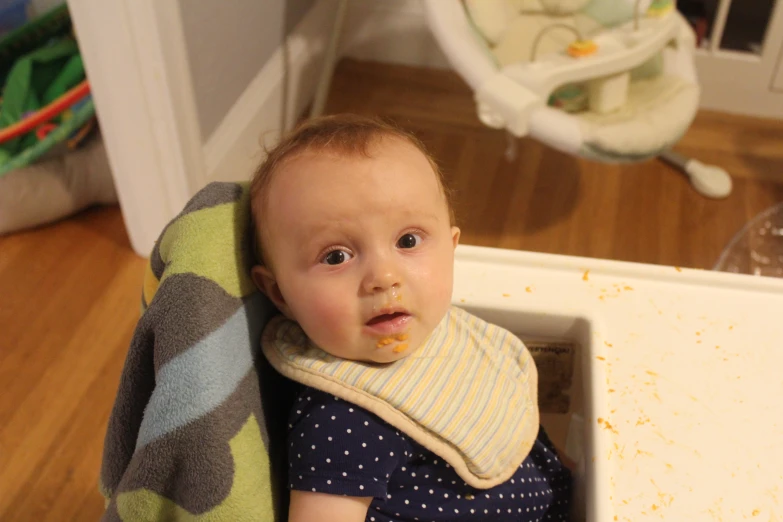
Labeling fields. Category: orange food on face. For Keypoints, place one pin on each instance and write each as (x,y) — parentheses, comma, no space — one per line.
(402,337)
(400,348)
(384,341)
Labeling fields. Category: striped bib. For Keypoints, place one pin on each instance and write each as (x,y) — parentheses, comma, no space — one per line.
(469,394)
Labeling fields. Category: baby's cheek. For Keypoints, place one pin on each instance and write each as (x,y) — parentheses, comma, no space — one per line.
(328,313)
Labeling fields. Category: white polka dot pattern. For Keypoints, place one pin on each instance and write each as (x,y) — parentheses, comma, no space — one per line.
(355,453)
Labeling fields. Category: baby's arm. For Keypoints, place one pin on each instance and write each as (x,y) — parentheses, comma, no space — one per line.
(321,507)
(340,458)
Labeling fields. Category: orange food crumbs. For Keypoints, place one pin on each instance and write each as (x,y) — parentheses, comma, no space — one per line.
(398,297)
(607,425)
(529,290)
(650,372)
(755,512)
(669,466)
(400,347)
(402,337)
(698,333)
(608,344)
(654,507)
(506,295)
(600,358)
(461,300)
(615,517)
(383,342)
(677,268)
(731,327)
(586,276)
(602,297)
(611,390)
(627,288)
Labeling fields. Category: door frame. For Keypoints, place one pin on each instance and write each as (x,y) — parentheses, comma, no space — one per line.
(136,59)
(738,82)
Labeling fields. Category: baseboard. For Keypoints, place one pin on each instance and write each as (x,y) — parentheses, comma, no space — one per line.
(273,100)
(392,32)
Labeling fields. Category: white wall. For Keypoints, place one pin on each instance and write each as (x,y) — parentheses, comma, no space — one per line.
(227,48)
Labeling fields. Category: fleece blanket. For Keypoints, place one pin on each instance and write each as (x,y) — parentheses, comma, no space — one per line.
(197,431)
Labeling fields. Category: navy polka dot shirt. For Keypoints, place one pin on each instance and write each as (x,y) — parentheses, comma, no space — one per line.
(338,448)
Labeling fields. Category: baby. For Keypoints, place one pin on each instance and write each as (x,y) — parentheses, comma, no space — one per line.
(355,242)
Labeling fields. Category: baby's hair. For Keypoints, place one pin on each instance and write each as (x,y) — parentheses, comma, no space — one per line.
(344,134)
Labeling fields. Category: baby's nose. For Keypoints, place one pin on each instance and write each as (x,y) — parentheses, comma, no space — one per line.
(381,278)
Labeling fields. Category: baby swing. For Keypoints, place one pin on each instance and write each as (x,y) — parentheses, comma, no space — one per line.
(609,80)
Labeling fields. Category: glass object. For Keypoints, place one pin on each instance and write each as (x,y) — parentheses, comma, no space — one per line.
(758,248)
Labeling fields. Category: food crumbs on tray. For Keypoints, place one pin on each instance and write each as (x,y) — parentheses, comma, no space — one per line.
(731,327)
(677,268)
(461,300)
(654,507)
(607,343)
(600,358)
(506,295)
(629,288)
(756,512)
(529,290)
(650,372)
(611,390)
(669,466)
(586,275)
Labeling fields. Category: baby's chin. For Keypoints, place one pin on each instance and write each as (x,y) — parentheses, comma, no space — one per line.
(388,356)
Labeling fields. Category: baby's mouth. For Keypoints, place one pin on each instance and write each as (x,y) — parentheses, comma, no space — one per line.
(390,323)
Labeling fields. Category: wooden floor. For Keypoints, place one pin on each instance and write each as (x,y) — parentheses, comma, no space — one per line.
(69,293)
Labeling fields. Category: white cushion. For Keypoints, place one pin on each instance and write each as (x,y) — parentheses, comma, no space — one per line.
(491,17)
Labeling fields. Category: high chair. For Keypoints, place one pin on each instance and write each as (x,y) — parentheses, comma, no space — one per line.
(669,401)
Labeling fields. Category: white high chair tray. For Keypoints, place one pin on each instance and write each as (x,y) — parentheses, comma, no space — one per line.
(682,377)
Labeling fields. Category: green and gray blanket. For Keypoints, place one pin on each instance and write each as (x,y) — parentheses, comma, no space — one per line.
(197,431)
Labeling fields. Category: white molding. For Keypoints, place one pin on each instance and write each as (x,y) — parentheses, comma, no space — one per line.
(273,100)
(135,59)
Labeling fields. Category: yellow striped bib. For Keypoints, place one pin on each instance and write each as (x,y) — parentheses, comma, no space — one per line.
(469,394)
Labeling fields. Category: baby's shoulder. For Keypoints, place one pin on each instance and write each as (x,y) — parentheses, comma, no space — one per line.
(314,409)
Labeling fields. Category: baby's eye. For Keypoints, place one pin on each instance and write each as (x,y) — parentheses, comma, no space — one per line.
(409,241)
(336,257)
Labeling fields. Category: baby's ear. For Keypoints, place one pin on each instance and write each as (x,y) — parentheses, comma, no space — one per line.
(265,281)
(455,235)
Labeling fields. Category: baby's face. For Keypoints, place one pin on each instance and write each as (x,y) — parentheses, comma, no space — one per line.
(361,250)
